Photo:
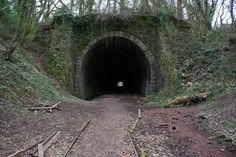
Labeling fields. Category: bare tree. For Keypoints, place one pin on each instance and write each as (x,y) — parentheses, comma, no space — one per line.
(231,10)
(26,9)
(180,9)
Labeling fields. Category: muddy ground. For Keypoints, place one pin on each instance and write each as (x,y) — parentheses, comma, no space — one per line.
(161,132)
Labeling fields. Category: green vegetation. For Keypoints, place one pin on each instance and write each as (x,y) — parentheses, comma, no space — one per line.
(231,123)
(21,82)
(202,65)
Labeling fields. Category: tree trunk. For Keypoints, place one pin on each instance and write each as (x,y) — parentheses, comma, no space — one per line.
(232,12)
(26,9)
(145,7)
(122,6)
(179,9)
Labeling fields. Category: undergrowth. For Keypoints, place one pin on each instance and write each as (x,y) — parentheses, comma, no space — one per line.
(21,82)
(203,66)
(231,123)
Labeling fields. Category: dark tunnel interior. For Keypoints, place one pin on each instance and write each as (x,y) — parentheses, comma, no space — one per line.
(115,65)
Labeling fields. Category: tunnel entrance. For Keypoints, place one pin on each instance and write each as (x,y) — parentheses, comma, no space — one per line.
(115,65)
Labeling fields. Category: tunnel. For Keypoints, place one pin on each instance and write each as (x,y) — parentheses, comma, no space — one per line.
(115,65)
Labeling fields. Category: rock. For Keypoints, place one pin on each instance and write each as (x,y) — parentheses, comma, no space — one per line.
(202,117)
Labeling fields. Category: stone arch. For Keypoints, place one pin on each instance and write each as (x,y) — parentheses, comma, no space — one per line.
(83,88)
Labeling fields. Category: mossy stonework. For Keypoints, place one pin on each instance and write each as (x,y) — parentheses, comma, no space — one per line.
(77,43)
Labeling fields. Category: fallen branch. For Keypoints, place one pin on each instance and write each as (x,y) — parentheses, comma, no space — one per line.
(139,113)
(49,108)
(19,152)
(132,143)
(136,122)
(134,126)
(77,137)
(189,99)
(163,126)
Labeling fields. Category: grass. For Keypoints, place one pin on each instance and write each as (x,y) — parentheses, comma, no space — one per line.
(231,123)
(21,82)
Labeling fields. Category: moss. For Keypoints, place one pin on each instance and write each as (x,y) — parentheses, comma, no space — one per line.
(22,82)
(59,60)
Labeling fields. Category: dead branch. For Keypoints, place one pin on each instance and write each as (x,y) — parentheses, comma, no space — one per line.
(19,152)
(163,126)
(134,126)
(136,122)
(77,137)
(45,108)
(132,143)
(139,113)
(189,99)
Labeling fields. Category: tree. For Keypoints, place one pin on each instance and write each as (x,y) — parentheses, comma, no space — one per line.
(231,10)
(26,10)
(180,9)
(145,7)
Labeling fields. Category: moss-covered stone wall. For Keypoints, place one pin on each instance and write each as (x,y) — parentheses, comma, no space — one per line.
(72,37)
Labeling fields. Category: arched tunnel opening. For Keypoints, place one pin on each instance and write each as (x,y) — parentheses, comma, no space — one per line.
(115,65)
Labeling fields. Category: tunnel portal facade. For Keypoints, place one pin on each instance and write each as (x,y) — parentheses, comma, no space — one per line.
(110,54)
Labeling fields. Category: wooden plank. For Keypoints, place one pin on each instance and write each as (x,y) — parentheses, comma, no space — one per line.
(76,138)
(48,142)
(56,104)
(19,152)
(51,141)
(40,150)
(45,141)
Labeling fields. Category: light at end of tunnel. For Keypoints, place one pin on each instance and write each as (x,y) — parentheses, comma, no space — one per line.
(120,84)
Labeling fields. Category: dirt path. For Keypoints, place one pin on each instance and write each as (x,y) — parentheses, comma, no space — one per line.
(106,135)
(171,133)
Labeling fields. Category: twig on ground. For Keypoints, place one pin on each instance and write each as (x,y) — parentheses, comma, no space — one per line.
(163,126)
(189,99)
(76,138)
